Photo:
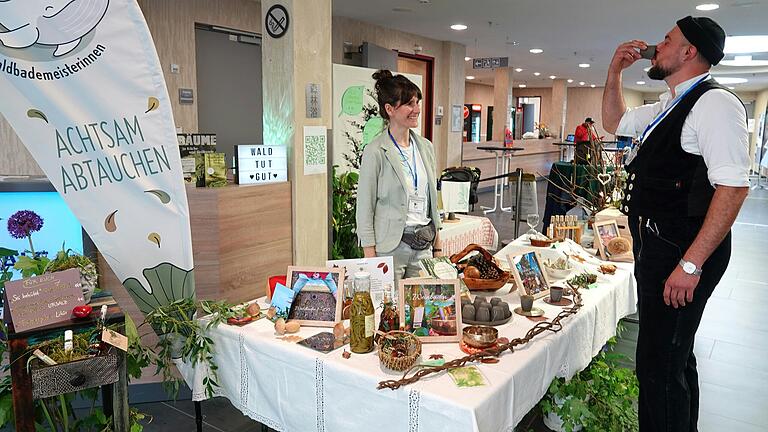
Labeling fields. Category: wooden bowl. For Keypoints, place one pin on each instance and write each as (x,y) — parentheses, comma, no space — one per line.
(541,243)
(487,284)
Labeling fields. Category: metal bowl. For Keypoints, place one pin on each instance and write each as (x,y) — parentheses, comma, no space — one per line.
(480,336)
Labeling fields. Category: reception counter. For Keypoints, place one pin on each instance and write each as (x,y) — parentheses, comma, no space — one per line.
(536,158)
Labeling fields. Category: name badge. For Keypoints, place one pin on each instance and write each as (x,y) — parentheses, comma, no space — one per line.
(417,204)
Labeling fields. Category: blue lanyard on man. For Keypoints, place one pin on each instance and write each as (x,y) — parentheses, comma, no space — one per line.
(664,113)
(414,171)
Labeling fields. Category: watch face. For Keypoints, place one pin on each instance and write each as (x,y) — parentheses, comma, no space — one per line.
(689,267)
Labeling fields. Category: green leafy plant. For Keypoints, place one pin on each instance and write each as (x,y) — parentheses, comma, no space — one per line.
(345,243)
(68,259)
(601,398)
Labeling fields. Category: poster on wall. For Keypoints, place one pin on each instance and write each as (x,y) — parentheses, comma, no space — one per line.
(83,88)
(356,119)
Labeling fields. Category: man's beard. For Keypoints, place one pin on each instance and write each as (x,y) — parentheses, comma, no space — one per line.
(658,72)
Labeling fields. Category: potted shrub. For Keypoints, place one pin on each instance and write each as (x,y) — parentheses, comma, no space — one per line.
(67,259)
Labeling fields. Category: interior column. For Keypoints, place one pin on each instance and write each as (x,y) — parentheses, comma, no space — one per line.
(559,107)
(503,102)
(300,57)
(448,143)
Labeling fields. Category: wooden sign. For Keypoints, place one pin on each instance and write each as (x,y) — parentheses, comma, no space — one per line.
(261,164)
(42,300)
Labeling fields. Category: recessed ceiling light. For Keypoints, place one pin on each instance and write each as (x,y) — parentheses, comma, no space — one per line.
(583,65)
(552,77)
(458,27)
(536,50)
(640,83)
(522,85)
(707,6)
(537,73)
(729,80)
(581,83)
(467,58)
(746,44)
(518,69)
(470,77)
(570,81)
(593,86)
(731,88)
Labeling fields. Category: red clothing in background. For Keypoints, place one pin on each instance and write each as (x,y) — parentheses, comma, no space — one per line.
(582,133)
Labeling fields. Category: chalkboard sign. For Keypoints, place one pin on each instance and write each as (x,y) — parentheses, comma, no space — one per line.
(319,296)
(42,300)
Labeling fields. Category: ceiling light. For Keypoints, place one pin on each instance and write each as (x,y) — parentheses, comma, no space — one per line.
(570,81)
(731,88)
(744,60)
(536,50)
(583,65)
(467,58)
(707,7)
(522,85)
(518,69)
(470,77)
(552,77)
(581,83)
(537,73)
(593,86)
(640,83)
(746,44)
(729,80)
(458,27)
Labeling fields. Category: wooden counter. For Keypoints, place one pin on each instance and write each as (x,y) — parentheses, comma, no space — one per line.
(240,236)
(537,158)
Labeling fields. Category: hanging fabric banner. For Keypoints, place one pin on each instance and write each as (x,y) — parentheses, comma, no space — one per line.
(82,86)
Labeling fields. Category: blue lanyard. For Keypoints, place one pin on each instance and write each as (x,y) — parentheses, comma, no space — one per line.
(414,171)
(661,116)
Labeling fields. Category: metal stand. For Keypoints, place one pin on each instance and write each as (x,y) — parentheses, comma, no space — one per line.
(502,167)
(199,416)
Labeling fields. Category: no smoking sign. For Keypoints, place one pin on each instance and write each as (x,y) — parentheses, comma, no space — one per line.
(277,21)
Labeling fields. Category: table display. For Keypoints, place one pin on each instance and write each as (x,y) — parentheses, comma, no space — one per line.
(455,236)
(271,380)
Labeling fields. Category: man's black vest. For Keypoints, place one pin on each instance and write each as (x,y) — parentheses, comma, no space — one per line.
(663,180)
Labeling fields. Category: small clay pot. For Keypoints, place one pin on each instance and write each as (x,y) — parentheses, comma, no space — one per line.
(468,312)
(507,311)
(526,302)
(555,294)
(479,300)
(495,301)
(497,313)
(483,314)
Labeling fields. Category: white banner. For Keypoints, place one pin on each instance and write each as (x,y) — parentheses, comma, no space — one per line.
(82,86)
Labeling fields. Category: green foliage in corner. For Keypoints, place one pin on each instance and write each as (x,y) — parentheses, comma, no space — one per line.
(345,243)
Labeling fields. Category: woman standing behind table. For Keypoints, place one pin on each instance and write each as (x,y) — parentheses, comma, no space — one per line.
(397,193)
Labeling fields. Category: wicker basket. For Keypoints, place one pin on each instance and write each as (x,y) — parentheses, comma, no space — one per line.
(48,381)
(477,284)
(403,363)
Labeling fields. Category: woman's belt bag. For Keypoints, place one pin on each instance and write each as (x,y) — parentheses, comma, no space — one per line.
(420,237)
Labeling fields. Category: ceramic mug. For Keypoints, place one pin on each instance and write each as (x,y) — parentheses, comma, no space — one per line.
(555,294)
(526,302)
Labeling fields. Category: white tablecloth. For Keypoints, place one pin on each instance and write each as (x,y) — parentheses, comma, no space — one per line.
(455,236)
(292,388)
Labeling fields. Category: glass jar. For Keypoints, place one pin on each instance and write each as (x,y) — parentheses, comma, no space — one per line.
(361,318)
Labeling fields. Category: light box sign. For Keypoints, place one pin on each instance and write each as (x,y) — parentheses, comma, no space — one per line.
(258,163)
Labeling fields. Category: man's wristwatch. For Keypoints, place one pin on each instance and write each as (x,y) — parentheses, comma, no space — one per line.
(690,268)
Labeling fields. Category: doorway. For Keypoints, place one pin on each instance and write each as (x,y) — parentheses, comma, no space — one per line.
(229,94)
(424,66)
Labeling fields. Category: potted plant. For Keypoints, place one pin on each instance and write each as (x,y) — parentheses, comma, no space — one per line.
(602,397)
(67,259)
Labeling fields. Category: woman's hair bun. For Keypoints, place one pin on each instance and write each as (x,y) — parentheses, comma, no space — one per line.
(382,75)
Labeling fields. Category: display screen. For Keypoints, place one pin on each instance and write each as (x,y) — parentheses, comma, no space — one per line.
(60,226)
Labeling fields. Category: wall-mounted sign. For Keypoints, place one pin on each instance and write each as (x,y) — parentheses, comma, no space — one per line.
(490,62)
(186,96)
(315,150)
(477,108)
(277,21)
(41,300)
(313,100)
(258,163)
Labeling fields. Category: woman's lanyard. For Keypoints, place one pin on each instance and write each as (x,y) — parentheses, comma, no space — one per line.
(664,113)
(414,171)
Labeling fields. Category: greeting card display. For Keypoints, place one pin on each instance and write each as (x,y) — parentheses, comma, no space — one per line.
(317,295)
(529,274)
(431,309)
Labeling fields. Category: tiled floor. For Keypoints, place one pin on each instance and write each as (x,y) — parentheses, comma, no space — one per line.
(732,342)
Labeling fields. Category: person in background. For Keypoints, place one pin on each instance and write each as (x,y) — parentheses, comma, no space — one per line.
(687,180)
(583,137)
(397,192)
